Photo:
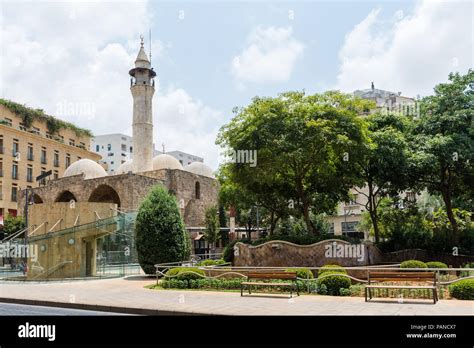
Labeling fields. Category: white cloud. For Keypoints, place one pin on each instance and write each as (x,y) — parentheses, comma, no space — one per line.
(69,57)
(410,53)
(269,56)
(186,124)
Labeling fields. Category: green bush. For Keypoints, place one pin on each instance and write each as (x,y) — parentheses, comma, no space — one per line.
(211,262)
(332,269)
(467,273)
(436,264)
(182,273)
(202,283)
(463,289)
(159,230)
(321,289)
(413,264)
(228,254)
(304,273)
(334,283)
(344,292)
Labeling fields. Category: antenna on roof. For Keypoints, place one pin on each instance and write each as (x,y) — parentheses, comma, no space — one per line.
(372,86)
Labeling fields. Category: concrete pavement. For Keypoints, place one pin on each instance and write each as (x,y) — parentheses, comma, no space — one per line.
(128,295)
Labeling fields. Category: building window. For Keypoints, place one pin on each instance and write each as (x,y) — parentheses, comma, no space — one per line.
(56,158)
(124,147)
(72,142)
(68,160)
(14,194)
(2,149)
(131,149)
(331,228)
(97,148)
(15,171)
(16,148)
(43,156)
(56,175)
(1,168)
(197,190)
(30,152)
(22,126)
(9,122)
(29,174)
(111,162)
(49,135)
(348,227)
(109,147)
(352,200)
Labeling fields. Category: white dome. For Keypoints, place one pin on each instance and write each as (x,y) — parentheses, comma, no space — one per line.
(85,166)
(200,169)
(125,167)
(165,161)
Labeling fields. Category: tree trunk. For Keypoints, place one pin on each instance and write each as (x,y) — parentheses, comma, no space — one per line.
(446,193)
(373,212)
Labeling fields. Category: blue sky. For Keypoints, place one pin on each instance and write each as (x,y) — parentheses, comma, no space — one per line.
(66,56)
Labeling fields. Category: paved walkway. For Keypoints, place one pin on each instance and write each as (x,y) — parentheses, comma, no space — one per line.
(128,295)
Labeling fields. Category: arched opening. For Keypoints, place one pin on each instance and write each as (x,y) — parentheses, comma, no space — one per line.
(105,194)
(197,190)
(66,196)
(37,199)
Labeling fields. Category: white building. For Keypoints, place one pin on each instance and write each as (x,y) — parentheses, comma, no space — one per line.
(117,148)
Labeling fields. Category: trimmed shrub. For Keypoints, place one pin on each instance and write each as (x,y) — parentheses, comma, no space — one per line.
(332,269)
(467,273)
(181,273)
(304,273)
(334,283)
(436,264)
(321,289)
(413,264)
(159,229)
(344,292)
(211,262)
(463,289)
(228,254)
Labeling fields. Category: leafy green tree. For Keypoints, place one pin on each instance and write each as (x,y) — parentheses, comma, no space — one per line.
(211,232)
(304,145)
(13,224)
(383,164)
(443,143)
(160,233)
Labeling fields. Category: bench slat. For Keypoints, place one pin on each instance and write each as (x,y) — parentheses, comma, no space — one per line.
(399,287)
(267,284)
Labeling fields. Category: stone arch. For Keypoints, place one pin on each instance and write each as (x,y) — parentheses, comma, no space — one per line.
(66,196)
(105,194)
(197,190)
(37,199)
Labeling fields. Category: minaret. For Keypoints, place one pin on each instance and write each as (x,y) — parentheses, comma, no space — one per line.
(143,88)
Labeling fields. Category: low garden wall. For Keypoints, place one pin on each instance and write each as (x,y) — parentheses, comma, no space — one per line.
(285,254)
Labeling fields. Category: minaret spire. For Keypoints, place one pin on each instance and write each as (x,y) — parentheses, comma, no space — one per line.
(142,88)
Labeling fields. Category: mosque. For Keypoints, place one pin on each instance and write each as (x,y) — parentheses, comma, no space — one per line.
(86,194)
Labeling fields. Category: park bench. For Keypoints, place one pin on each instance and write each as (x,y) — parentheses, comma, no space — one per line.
(407,276)
(289,277)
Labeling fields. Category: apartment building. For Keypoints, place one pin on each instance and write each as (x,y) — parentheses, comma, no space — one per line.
(33,143)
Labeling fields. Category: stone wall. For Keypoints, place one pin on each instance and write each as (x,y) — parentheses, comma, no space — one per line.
(286,254)
(283,254)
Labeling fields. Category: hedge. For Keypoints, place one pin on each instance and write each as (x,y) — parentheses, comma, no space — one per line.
(413,264)
(332,269)
(211,262)
(463,289)
(436,264)
(182,273)
(304,273)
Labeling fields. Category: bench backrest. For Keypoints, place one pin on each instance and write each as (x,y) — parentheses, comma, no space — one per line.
(402,276)
(272,275)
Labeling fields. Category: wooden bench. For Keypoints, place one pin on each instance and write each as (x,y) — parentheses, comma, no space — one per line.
(406,276)
(290,278)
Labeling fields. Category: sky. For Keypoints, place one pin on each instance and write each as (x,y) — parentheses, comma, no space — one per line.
(71,58)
